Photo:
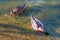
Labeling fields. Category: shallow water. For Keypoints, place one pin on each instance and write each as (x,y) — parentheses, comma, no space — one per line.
(15,27)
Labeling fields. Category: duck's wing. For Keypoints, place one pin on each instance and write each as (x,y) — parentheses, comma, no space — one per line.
(33,22)
(38,22)
(23,6)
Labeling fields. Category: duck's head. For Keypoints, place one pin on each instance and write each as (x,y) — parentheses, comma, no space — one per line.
(46,33)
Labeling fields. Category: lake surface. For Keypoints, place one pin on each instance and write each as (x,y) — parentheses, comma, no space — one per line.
(47,11)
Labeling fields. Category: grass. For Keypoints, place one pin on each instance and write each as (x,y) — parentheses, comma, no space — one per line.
(19,27)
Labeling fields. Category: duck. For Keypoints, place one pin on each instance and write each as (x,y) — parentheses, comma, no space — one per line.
(18,9)
(38,25)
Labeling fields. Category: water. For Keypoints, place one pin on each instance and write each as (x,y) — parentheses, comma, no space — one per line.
(48,14)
